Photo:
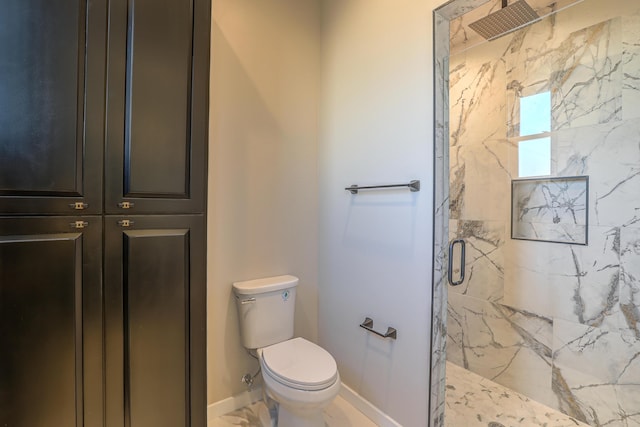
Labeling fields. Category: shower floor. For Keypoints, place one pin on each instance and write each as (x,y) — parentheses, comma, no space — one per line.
(472,400)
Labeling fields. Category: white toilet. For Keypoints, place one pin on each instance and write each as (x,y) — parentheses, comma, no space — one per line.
(299,375)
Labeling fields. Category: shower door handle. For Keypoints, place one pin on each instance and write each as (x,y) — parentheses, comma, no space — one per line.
(450,272)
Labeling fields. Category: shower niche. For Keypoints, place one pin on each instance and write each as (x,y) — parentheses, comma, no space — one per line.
(550,209)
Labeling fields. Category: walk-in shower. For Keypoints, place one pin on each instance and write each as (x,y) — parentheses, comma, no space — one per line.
(537,173)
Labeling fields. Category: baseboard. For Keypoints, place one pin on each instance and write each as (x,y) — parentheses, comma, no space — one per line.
(361,404)
(233,403)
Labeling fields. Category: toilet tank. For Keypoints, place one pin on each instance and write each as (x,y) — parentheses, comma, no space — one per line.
(266,308)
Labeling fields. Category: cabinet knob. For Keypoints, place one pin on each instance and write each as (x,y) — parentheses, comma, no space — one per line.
(79,206)
(125,223)
(126,205)
(79,224)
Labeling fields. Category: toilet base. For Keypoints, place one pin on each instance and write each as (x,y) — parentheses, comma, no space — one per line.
(287,418)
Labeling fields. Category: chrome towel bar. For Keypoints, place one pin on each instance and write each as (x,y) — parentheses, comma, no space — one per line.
(368,325)
(413,186)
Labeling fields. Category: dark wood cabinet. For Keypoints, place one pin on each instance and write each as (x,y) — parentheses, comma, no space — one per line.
(103,113)
(77,73)
(52,105)
(51,354)
(157,106)
(155,321)
(56,365)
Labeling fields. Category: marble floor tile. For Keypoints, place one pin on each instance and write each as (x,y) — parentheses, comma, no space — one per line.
(471,400)
(339,414)
(476,401)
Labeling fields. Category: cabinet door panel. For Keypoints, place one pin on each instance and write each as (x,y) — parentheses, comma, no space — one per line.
(50,323)
(156,138)
(155,341)
(155,316)
(157,102)
(51,105)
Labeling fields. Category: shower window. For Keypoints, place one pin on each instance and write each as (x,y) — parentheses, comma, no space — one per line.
(534,152)
(534,157)
(535,114)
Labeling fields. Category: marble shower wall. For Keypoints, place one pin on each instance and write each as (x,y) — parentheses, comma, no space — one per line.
(558,323)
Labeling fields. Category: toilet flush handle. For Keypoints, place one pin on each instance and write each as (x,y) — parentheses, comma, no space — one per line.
(248,301)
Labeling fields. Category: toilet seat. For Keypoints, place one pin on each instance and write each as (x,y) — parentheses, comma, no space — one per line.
(299,364)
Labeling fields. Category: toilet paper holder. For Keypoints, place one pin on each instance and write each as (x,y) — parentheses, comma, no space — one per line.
(368,325)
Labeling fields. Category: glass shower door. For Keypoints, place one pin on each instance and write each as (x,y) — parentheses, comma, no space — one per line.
(544,182)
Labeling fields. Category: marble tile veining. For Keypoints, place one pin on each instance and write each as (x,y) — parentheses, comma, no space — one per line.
(475,401)
(585,280)
(630,281)
(480,172)
(484,260)
(610,156)
(476,90)
(587,83)
(631,65)
(510,347)
(601,394)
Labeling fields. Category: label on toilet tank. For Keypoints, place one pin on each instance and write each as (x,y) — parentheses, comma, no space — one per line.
(285,295)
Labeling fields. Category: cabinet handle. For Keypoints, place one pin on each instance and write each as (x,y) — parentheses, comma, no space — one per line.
(126,205)
(125,223)
(462,262)
(79,206)
(79,224)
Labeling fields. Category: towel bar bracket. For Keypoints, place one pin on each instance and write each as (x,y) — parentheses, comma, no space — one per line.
(368,325)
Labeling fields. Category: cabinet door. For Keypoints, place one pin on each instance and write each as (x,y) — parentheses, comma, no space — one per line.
(51,322)
(52,105)
(158,75)
(155,321)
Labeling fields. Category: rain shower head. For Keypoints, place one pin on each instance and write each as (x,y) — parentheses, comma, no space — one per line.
(505,20)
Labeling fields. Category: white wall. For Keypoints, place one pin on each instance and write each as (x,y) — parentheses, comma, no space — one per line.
(263,209)
(369,67)
(375,248)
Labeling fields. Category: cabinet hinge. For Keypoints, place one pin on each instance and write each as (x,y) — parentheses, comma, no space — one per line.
(125,223)
(79,224)
(78,206)
(126,205)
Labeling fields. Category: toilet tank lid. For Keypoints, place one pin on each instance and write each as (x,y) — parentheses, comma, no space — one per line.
(267,284)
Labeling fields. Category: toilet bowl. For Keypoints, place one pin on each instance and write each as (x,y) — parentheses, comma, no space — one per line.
(302,378)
